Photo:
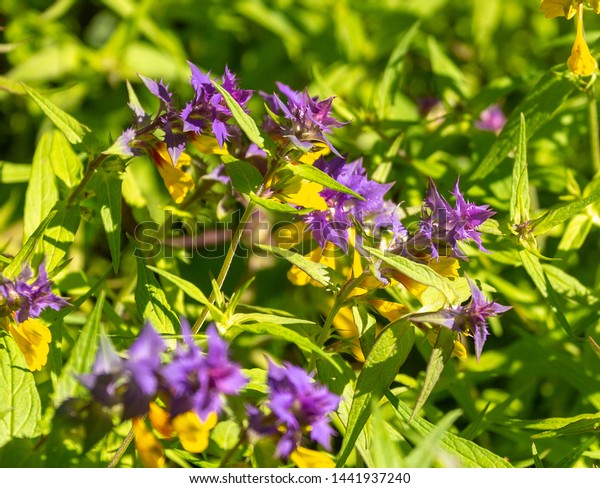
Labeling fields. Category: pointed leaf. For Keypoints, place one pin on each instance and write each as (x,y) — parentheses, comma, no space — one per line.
(60,235)
(245,178)
(108,192)
(20,404)
(67,167)
(558,215)
(519,199)
(312,173)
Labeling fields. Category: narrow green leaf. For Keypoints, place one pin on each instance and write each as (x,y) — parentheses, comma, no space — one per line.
(324,275)
(245,122)
(72,129)
(392,75)
(572,457)
(538,107)
(67,167)
(312,173)
(274,205)
(534,269)
(469,454)
(425,452)
(442,350)
(281,332)
(380,368)
(81,358)
(536,458)
(151,301)
(558,215)
(416,271)
(245,178)
(595,346)
(579,427)
(59,235)
(24,254)
(108,186)
(14,173)
(520,199)
(19,401)
(42,193)
(384,449)
(446,72)
(553,423)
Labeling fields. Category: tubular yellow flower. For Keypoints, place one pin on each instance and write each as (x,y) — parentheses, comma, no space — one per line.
(558,8)
(33,338)
(581,62)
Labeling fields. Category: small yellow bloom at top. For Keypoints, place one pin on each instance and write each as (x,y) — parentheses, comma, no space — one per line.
(307,458)
(558,8)
(581,62)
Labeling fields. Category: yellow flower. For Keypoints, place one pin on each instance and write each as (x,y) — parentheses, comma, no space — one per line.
(558,8)
(208,145)
(177,181)
(149,449)
(33,338)
(581,62)
(304,193)
(307,458)
(193,433)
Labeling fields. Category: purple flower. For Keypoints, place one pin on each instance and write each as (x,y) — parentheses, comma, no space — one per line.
(208,106)
(470,319)
(443,227)
(197,381)
(491,119)
(28,300)
(299,409)
(302,119)
(344,210)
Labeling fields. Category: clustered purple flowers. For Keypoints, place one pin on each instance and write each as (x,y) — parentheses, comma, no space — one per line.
(344,210)
(299,409)
(27,300)
(190,380)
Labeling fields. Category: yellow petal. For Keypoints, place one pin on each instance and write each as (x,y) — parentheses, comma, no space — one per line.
(307,458)
(160,420)
(208,145)
(390,310)
(459,350)
(149,449)
(289,235)
(581,62)
(305,194)
(557,8)
(193,433)
(346,328)
(318,255)
(32,337)
(319,149)
(177,181)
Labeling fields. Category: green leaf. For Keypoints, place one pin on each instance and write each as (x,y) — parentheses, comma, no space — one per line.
(324,275)
(442,350)
(392,75)
(312,173)
(519,199)
(416,271)
(536,458)
(188,288)
(71,128)
(445,70)
(24,254)
(380,368)
(538,107)
(245,178)
(469,454)
(284,333)
(384,449)
(19,401)
(245,122)
(274,205)
(595,346)
(534,269)
(59,235)
(573,456)
(42,193)
(151,302)
(67,167)
(14,173)
(108,192)
(558,215)
(81,358)
(582,424)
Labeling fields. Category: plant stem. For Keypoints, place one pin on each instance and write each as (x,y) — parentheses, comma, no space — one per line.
(122,448)
(227,263)
(594,130)
(231,451)
(89,172)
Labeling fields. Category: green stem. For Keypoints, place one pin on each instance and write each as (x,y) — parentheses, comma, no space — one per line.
(338,303)
(89,172)
(227,263)
(232,451)
(122,448)
(594,130)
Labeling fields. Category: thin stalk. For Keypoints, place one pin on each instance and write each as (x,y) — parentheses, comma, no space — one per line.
(89,172)
(227,263)
(594,129)
(231,451)
(122,448)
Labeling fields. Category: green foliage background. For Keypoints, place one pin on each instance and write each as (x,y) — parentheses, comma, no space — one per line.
(379,57)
